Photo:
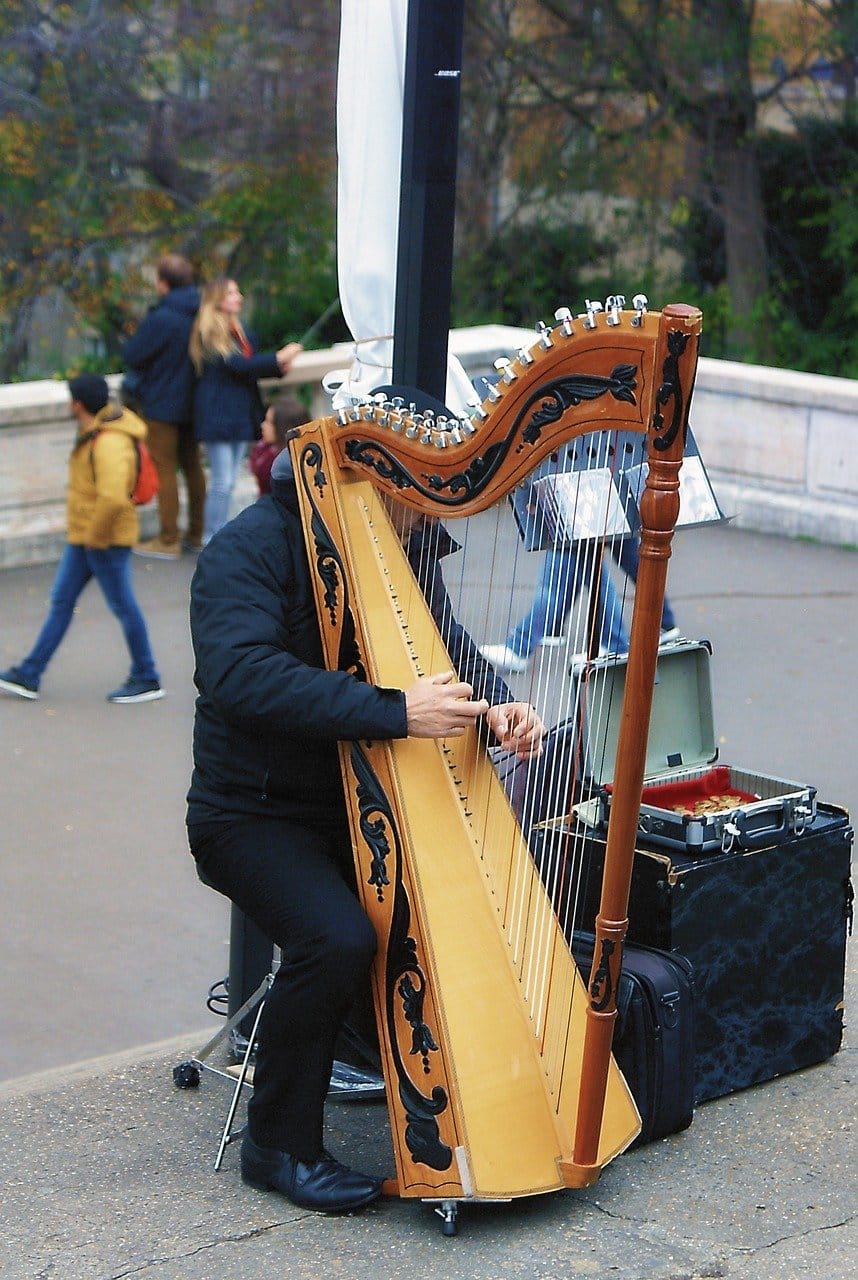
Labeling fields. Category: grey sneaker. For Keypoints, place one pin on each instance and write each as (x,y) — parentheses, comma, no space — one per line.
(14,682)
(137,691)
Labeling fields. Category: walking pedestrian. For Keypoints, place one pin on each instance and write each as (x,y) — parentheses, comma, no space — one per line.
(102,527)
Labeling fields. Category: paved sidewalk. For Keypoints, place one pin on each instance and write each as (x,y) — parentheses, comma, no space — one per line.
(110,943)
(108,1173)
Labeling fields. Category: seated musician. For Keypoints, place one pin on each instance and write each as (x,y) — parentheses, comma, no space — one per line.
(266,815)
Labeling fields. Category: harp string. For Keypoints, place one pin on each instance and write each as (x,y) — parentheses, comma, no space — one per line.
(529,923)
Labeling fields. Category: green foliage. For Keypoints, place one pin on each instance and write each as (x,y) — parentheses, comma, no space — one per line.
(808,319)
(523,272)
(278,228)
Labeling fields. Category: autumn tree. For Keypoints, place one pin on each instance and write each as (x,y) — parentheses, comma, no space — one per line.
(133,126)
(657,102)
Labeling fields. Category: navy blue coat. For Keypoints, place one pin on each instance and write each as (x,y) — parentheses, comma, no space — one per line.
(161,377)
(268,715)
(227,403)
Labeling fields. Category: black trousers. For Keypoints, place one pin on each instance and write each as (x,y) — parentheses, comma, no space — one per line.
(296,884)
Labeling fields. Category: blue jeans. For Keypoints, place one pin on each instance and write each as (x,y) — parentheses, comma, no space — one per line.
(112,570)
(224,458)
(559,582)
(626,556)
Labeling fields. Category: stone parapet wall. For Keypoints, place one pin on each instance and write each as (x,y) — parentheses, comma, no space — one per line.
(781,447)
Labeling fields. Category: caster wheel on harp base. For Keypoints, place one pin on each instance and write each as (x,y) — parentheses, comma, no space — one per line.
(186,1075)
(448,1212)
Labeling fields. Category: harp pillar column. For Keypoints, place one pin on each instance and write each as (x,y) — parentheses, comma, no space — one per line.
(430,140)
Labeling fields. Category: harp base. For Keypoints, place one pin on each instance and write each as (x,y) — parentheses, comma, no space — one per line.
(578,1175)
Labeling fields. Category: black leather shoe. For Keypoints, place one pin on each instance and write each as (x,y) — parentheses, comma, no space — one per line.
(324,1184)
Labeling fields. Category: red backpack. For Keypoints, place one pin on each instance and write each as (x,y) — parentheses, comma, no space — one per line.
(147,484)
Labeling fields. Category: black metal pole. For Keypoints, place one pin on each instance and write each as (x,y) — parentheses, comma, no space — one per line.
(430,140)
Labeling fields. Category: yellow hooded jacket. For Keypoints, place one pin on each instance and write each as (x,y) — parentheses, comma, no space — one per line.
(102,474)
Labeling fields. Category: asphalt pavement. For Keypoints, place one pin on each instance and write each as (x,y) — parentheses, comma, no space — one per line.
(110,945)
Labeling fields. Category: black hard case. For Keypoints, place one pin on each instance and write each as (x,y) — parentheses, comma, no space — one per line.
(654,1034)
(765,932)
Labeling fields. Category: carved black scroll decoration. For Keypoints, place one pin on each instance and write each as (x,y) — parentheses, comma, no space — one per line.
(601,983)
(329,565)
(376,818)
(543,408)
(405,979)
(567,393)
(671,389)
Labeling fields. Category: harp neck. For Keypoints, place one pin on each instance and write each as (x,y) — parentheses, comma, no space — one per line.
(612,370)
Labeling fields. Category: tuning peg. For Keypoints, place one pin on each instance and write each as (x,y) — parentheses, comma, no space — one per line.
(563,316)
(505,368)
(614,304)
(639,302)
(545,338)
(593,309)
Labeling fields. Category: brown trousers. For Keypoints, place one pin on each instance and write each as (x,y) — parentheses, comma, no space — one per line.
(175,449)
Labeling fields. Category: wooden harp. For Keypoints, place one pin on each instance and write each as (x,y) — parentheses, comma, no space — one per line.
(497,1056)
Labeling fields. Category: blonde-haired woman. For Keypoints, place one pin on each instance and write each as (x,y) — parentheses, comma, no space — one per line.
(228,408)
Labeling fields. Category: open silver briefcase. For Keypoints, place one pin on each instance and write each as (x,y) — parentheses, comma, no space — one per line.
(689,801)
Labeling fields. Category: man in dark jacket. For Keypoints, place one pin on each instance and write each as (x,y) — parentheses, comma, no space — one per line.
(160,380)
(266,814)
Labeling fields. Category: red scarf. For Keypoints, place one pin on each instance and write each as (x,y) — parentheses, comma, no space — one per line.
(244,346)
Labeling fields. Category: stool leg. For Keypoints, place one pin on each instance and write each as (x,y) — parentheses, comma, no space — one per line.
(227,1135)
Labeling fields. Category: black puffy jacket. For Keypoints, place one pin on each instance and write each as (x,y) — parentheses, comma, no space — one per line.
(268,714)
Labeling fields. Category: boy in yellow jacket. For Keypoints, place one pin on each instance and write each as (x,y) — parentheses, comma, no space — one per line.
(102,528)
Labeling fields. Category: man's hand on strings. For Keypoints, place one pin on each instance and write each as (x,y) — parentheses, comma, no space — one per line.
(517,728)
(442,707)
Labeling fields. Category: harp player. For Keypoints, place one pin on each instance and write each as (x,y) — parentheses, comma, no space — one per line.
(266,815)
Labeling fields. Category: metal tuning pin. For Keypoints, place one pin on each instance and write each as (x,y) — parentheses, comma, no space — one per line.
(545,338)
(640,302)
(455,433)
(342,417)
(563,316)
(415,426)
(524,357)
(593,309)
(505,368)
(494,392)
(614,304)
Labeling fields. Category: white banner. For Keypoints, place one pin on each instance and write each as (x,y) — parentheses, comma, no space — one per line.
(370,90)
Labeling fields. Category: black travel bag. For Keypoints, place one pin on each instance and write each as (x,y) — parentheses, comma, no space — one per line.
(654,1033)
